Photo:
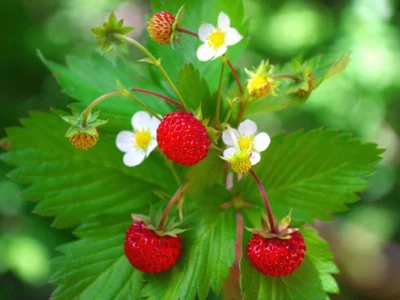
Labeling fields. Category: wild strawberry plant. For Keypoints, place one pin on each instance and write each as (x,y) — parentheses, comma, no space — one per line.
(162,171)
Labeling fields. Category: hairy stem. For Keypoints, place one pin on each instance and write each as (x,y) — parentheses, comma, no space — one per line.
(266,202)
(164,217)
(166,98)
(291,76)
(88,109)
(145,107)
(155,62)
(221,81)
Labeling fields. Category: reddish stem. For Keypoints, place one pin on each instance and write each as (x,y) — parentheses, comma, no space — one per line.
(187,31)
(229,62)
(167,99)
(266,202)
(169,206)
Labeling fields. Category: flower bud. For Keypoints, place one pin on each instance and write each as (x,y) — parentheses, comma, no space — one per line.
(160,27)
(258,87)
(83,140)
(311,82)
(261,83)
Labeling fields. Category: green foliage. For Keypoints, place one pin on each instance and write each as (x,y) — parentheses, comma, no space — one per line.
(85,80)
(196,97)
(315,173)
(311,281)
(95,266)
(73,184)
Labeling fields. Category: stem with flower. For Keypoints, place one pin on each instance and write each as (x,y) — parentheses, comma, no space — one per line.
(154,61)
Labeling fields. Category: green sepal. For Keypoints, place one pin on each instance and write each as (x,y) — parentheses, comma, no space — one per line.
(285,222)
(198,113)
(71,131)
(174,36)
(157,62)
(106,35)
(122,89)
(213,134)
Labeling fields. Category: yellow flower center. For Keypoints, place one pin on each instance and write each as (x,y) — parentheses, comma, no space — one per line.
(216,38)
(246,142)
(241,165)
(143,139)
(258,86)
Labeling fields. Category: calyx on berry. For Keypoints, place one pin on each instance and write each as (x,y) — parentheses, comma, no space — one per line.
(153,222)
(83,137)
(261,82)
(162,27)
(306,82)
(105,35)
(282,231)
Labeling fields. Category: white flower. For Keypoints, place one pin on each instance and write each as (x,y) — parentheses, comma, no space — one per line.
(139,143)
(217,39)
(245,141)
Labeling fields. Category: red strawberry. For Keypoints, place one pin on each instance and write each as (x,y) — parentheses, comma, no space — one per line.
(274,256)
(183,138)
(149,252)
(160,27)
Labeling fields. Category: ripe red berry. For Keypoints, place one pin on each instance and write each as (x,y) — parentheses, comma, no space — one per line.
(149,252)
(276,257)
(182,138)
(160,27)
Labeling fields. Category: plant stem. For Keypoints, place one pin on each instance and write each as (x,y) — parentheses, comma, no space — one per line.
(266,202)
(145,107)
(164,217)
(88,109)
(229,113)
(236,77)
(183,30)
(221,80)
(291,76)
(242,110)
(166,98)
(155,62)
(173,171)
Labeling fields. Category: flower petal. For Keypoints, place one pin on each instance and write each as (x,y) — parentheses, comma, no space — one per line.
(232,37)
(152,145)
(205,53)
(261,141)
(227,137)
(254,158)
(229,152)
(134,157)
(220,51)
(223,21)
(205,31)
(247,127)
(153,125)
(124,141)
(140,120)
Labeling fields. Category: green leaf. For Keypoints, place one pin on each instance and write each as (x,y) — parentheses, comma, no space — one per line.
(311,281)
(95,266)
(74,184)
(85,80)
(208,251)
(195,91)
(315,173)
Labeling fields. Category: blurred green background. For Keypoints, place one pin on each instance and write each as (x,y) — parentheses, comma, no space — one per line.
(363,100)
